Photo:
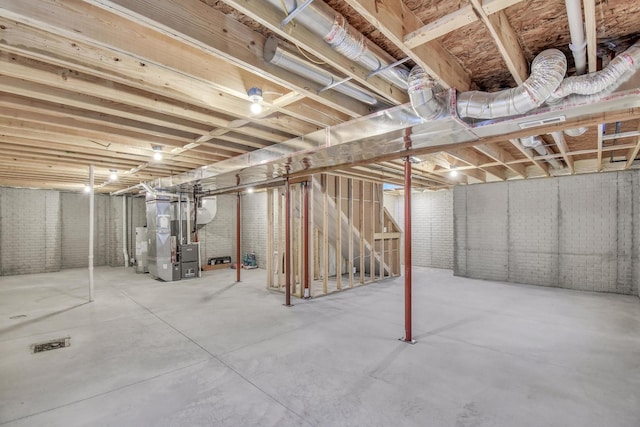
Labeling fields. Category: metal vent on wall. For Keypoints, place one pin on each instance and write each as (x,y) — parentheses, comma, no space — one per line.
(51,345)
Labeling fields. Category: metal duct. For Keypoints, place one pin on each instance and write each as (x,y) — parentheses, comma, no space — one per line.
(575,132)
(325,22)
(578,43)
(423,94)
(207,212)
(547,71)
(535,143)
(603,82)
(287,60)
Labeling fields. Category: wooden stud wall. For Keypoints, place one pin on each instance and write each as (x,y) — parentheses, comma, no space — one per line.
(353,239)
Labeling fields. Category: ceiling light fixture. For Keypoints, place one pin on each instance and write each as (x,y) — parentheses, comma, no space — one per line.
(157,153)
(87,188)
(250,190)
(255,96)
(453,173)
(113,175)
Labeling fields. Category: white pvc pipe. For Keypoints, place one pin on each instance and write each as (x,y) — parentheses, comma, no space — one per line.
(188,221)
(91,208)
(578,43)
(124,232)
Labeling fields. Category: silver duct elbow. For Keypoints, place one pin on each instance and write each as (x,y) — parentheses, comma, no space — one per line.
(601,83)
(422,93)
(547,71)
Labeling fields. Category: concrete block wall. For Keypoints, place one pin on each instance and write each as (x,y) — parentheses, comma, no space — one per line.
(45,230)
(29,231)
(432,223)
(218,238)
(254,226)
(579,232)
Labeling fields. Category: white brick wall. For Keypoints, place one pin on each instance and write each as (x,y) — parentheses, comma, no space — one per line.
(254,226)
(45,230)
(29,230)
(218,238)
(578,232)
(432,223)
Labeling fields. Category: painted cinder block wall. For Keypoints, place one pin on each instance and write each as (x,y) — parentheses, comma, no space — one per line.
(579,232)
(45,230)
(432,224)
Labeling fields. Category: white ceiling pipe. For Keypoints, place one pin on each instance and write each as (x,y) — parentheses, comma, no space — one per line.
(278,56)
(535,143)
(333,28)
(578,43)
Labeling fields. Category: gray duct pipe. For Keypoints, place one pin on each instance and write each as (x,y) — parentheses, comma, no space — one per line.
(535,143)
(287,60)
(603,82)
(422,93)
(326,23)
(547,71)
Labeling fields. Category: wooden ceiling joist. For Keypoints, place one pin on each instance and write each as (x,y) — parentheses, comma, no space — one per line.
(465,15)
(393,19)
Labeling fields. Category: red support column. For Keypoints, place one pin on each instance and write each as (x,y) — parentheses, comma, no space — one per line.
(407,251)
(305,244)
(238,260)
(287,245)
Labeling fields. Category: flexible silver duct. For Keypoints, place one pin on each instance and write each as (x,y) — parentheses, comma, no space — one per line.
(325,22)
(601,83)
(547,71)
(422,93)
(287,60)
(535,143)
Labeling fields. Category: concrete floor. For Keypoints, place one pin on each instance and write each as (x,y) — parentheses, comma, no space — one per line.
(211,352)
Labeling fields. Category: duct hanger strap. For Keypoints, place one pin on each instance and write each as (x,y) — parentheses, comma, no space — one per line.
(295,12)
(387,67)
(334,83)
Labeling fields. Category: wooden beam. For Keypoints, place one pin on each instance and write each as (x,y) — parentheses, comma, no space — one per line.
(599,147)
(506,39)
(503,157)
(393,19)
(141,40)
(474,158)
(271,18)
(633,153)
(590,27)
(561,143)
(451,22)
(134,71)
(527,154)
(441,26)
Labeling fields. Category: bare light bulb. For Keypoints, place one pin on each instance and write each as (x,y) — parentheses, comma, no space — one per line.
(157,156)
(113,176)
(87,189)
(453,173)
(256,108)
(250,190)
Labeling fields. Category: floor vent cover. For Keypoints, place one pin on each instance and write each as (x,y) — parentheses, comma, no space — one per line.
(51,345)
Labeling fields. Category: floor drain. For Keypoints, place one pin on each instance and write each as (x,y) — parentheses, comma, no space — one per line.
(51,345)
(18,316)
